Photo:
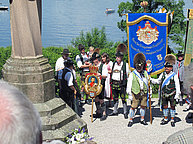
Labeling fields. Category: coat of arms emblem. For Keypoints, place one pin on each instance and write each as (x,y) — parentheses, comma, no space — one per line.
(147,34)
(148,66)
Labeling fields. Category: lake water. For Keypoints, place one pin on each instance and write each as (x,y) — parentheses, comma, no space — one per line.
(63,20)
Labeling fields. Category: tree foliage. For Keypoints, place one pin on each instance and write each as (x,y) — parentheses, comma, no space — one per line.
(5,53)
(178,24)
(96,38)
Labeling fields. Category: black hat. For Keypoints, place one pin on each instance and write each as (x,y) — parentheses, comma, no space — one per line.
(170,60)
(180,54)
(65,51)
(68,63)
(95,55)
(81,47)
(119,53)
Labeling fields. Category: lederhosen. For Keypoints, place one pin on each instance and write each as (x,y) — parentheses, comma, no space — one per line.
(67,92)
(168,91)
(119,87)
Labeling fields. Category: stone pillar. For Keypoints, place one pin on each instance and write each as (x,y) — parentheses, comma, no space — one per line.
(28,70)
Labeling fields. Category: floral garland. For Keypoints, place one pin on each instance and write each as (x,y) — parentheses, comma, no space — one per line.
(78,136)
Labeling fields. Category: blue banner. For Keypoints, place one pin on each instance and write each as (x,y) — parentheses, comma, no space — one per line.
(147,34)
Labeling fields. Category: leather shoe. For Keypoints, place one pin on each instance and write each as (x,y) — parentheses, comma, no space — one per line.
(163,122)
(130,124)
(190,115)
(97,115)
(126,116)
(113,114)
(103,118)
(143,122)
(173,124)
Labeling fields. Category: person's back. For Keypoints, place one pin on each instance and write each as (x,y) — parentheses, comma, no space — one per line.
(19,120)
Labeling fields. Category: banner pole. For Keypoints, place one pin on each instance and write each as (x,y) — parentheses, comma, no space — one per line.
(150,102)
(92,111)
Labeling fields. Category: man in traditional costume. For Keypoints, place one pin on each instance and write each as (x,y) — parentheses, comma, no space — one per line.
(68,84)
(179,70)
(170,89)
(83,64)
(137,88)
(119,76)
(59,68)
(99,99)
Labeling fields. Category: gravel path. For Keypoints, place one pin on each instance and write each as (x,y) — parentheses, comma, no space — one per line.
(114,129)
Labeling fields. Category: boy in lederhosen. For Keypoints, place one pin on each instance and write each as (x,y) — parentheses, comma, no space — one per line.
(170,89)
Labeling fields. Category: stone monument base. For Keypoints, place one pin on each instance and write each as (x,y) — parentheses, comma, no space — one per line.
(35,78)
(58,119)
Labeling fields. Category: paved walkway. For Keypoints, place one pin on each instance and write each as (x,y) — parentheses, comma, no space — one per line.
(114,129)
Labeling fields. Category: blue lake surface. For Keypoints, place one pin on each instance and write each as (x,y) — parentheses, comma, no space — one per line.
(63,20)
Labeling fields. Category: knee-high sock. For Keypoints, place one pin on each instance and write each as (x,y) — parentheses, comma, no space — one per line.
(165,112)
(125,108)
(142,113)
(131,114)
(172,113)
(116,107)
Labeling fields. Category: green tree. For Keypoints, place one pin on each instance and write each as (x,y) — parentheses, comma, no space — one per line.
(5,53)
(96,38)
(177,30)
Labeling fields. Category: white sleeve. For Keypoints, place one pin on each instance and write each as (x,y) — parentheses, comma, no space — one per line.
(129,84)
(69,78)
(177,84)
(59,64)
(78,61)
(127,69)
(157,81)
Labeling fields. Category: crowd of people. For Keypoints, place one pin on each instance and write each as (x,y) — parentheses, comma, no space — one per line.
(118,81)
(20,122)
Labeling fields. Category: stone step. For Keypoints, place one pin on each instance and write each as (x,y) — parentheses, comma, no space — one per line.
(58,120)
(63,132)
(50,107)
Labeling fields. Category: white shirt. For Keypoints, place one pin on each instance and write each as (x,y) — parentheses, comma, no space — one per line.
(116,76)
(79,62)
(60,65)
(176,80)
(105,70)
(69,77)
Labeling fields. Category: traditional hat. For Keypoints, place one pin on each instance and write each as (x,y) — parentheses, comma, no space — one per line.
(139,59)
(95,55)
(65,51)
(68,63)
(180,54)
(81,47)
(121,50)
(170,60)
